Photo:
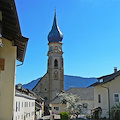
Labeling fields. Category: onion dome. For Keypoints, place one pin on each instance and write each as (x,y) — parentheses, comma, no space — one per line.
(55,35)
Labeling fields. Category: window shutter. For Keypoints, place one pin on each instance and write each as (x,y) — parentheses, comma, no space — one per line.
(2,63)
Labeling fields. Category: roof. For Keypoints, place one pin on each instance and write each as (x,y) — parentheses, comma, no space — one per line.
(28,93)
(11,27)
(37,106)
(56,100)
(25,96)
(83,93)
(38,82)
(106,78)
(55,35)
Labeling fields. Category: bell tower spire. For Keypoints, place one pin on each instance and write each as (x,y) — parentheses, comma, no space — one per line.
(55,60)
(55,35)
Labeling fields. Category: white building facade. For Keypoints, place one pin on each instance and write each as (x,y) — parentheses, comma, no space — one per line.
(24,107)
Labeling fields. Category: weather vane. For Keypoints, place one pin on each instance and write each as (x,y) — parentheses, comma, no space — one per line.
(55,9)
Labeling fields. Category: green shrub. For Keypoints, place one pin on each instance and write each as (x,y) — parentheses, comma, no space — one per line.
(64,116)
(115,112)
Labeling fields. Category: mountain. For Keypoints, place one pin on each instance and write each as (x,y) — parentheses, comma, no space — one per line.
(75,81)
(31,84)
(69,81)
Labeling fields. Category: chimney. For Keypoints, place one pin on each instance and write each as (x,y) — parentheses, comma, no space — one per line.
(115,69)
(19,86)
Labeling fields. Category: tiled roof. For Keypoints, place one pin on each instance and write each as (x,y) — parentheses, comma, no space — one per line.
(106,78)
(109,77)
(83,93)
(56,100)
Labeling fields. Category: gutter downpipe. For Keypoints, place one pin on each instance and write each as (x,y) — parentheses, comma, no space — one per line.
(108,99)
(19,64)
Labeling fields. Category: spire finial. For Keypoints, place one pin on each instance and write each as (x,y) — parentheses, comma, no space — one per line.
(55,10)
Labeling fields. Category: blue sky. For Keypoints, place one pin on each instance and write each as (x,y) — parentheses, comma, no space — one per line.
(91,30)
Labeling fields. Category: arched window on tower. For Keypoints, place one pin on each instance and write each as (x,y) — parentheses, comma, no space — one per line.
(55,64)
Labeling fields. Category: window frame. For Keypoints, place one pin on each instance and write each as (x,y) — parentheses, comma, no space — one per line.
(85,105)
(57,108)
(114,97)
(99,98)
(55,64)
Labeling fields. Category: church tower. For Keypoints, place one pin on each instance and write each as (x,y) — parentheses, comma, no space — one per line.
(55,60)
(52,82)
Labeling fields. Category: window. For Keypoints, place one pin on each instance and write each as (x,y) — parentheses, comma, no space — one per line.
(19,107)
(84,105)
(99,98)
(33,104)
(116,97)
(16,106)
(56,108)
(22,104)
(101,80)
(21,116)
(32,113)
(55,64)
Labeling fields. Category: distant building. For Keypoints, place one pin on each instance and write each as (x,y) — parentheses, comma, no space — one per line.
(12,47)
(86,96)
(28,106)
(56,106)
(106,93)
(52,82)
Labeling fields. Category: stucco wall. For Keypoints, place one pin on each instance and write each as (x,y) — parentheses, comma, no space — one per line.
(98,90)
(61,108)
(90,106)
(113,87)
(8,52)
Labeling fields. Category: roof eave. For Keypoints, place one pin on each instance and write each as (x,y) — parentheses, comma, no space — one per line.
(11,27)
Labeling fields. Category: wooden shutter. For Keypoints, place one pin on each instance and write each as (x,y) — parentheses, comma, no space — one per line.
(2,63)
